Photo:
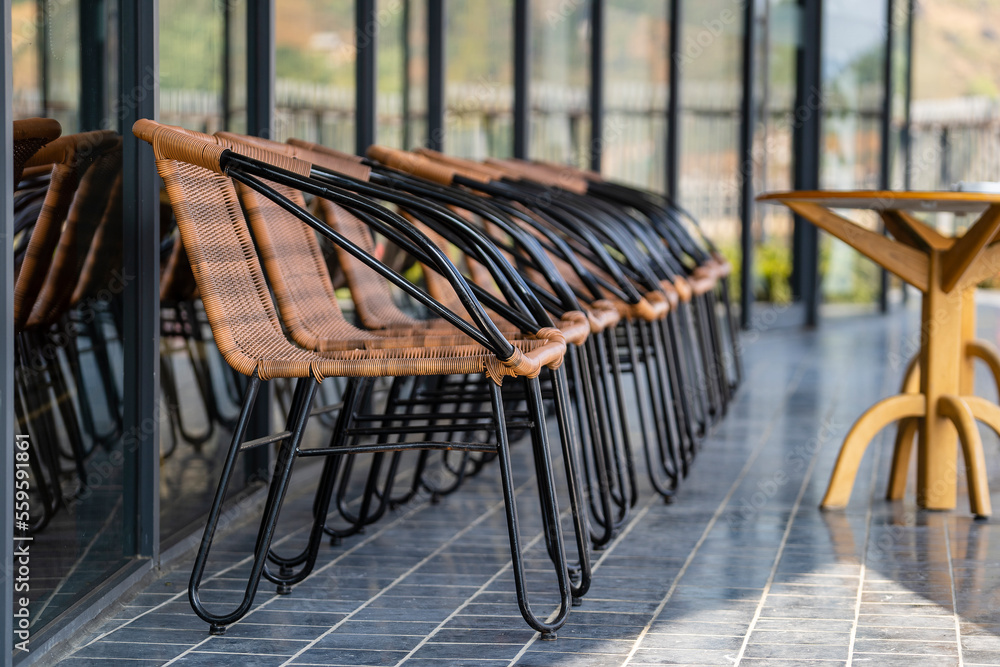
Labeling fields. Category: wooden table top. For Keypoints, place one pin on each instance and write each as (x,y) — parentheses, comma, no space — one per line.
(943,201)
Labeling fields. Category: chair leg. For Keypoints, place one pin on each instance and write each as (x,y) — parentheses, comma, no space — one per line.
(571,461)
(734,334)
(276,494)
(667,358)
(597,484)
(603,442)
(352,399)
(549,507)
(664,418)
(616,446)
(623,419)
(677,346)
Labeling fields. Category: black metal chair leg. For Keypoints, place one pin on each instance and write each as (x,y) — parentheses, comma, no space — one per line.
(279,480)
(623,419)
(548,629)
(352,399)
(568,440)
(734,333)
(664,425)
(613,446)
(604,515)
(668,344)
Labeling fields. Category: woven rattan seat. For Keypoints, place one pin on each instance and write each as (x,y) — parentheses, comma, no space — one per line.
(242,315)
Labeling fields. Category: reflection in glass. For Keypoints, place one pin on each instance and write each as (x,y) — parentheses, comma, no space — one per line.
(560,80)
(479,88)
(68,303)
(314,72)
(635,92)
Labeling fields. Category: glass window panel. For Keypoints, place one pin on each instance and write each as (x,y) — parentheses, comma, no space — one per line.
(69,353)
(636,72)
(955,118)
(854,91)
(560,82)
(199,393)
(314,72)
(392,72)
(192,44)
(774,114)
(416,72)
(711,93)
(479,89)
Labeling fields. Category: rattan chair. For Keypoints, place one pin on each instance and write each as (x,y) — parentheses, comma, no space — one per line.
(248,331)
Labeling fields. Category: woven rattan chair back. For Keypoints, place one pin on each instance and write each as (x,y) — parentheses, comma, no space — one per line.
(92,201)
(30,135)
(105,253)
(68,157)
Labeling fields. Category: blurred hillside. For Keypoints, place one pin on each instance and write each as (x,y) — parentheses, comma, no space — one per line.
(956,49)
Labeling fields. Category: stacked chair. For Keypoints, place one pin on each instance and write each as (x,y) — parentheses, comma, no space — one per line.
(545,292)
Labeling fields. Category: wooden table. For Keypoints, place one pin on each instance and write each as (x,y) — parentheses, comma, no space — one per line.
(937,399)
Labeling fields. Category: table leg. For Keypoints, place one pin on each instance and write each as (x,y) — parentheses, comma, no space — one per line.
(871,422)
(905,434)
(941,361)
(974,349)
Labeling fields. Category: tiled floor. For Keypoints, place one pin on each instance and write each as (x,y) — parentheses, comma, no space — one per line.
(742,569)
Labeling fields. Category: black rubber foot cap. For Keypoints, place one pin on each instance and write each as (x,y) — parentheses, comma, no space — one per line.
(335,541)
(283,589)
(435,499)
(577,602)
(214,629)
(548,637)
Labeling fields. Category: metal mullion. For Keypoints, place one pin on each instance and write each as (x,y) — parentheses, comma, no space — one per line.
(746,164)
(366,33)
(260,68)
(260,122)
(7,344)
(673,102)
(522,78)
(435,74)
(407,55)
(596,83)
(806,148)
(885,154)
(139,40)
